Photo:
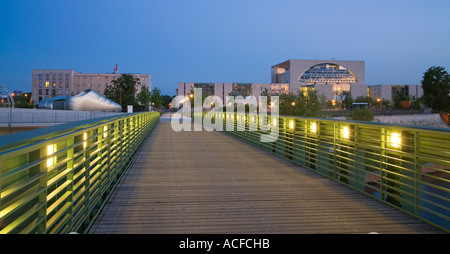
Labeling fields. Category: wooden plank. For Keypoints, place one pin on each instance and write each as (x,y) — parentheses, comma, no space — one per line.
(207,182)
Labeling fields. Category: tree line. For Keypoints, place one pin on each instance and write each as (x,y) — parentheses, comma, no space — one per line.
(123,91)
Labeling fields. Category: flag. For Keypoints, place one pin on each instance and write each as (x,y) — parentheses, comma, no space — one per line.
(115,68)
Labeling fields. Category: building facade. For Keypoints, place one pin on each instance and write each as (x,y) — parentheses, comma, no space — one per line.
(70,82)
(333,78)
(222,90)
(389,92)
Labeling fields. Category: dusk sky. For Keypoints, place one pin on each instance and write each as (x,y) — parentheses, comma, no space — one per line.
(220,41)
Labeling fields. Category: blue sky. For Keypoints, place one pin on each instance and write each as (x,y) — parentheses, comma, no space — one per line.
(220,41)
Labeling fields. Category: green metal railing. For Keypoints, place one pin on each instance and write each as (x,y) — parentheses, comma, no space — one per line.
(406,167)
(56,179)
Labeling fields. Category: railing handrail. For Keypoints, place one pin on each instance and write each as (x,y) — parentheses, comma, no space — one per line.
(8,142)
(407,166)
(58,181)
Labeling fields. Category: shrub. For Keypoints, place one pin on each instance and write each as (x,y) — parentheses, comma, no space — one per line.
(362,114)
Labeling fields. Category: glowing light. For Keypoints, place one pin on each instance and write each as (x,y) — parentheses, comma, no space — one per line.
(105,128)
(291,124)
(293,103)
(50,152)
(313,127)
(345,132)
(84,138)
(396,139)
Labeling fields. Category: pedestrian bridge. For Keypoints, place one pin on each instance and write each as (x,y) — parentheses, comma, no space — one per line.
(135,174)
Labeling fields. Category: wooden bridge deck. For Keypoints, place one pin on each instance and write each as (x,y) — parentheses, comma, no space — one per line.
(207,182)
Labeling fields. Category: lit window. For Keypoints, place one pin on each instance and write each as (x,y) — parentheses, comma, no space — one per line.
(47,84)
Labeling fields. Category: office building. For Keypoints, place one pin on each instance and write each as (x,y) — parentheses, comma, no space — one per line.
(222,90)
(389,92)
(70,82)
(334,79)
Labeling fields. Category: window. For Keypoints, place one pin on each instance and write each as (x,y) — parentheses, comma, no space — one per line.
(47,84)
(67,76)
(47,92)
(40,76)
(39,83)
(60,84)
(67,92)
(67,85)
(47,76)
(54,84)
(324,73)
(40,91)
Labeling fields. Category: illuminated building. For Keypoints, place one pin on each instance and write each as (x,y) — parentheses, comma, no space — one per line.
(48,83)
(334,79)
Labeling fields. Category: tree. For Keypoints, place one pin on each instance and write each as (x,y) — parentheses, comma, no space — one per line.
(310,105)
(156,98)
(288,104)
(166,99)
(347,102)
(436,89)
(123,90)
(266,93)
(144,97)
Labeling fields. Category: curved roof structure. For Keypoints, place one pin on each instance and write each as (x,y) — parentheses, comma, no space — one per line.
(88,100)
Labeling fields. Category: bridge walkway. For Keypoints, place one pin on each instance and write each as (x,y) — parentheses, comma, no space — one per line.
(207,182)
